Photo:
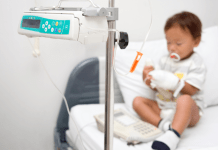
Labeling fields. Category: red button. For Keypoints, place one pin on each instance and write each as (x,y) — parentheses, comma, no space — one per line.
(59,31)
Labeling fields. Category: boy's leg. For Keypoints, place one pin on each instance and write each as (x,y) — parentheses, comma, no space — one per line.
(147,109)
(187,114)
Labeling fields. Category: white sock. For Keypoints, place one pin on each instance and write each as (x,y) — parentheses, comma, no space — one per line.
(168,141)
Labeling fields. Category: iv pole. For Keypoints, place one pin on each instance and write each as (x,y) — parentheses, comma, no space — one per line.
(109,86)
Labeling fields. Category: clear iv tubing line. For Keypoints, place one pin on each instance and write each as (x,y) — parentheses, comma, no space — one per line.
(148,30)
(67,106)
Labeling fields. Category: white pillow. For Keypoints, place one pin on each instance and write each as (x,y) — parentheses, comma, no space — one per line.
(132,85)
(208,49)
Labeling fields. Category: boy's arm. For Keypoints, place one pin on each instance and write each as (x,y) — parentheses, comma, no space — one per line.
(189,89)
(148,83)
(146,70)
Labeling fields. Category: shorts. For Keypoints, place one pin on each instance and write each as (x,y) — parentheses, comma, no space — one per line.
(169,113)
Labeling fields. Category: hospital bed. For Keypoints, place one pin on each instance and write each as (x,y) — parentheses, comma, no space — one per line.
(85,95)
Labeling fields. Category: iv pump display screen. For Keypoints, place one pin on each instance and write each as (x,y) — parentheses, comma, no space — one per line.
(31,23)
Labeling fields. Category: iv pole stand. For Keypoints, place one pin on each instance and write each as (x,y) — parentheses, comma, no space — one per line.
(109,86)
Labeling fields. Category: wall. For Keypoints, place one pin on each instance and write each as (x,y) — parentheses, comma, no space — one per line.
(29,102)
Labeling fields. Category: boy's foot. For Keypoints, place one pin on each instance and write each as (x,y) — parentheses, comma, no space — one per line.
(168,141)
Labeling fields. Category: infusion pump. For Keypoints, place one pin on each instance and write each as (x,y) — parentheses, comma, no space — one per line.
(69,25)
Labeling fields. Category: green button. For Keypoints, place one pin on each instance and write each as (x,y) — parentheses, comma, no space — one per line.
(66,27)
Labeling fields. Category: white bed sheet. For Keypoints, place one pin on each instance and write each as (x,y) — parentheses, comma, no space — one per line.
(203,135)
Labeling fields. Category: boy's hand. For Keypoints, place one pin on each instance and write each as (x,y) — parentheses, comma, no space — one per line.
(146,70)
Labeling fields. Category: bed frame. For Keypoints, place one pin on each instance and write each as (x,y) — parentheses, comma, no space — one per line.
(86,85)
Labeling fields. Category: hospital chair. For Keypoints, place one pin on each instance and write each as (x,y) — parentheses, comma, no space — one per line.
(84,87)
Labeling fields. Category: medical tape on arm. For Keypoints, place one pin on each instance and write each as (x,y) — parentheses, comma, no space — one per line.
(180,86)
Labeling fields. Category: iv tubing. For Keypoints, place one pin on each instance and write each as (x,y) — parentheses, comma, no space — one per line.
(67,106)
(148,30)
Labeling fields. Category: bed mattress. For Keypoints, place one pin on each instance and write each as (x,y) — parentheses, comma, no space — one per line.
(203,135)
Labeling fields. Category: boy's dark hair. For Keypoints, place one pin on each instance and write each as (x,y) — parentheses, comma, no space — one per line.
(185,20)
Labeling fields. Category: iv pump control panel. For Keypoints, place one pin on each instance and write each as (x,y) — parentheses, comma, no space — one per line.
(44,25)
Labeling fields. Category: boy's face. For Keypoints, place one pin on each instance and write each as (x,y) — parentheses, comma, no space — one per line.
(180,41)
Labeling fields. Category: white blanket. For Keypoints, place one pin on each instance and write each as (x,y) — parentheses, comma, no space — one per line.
(203,135)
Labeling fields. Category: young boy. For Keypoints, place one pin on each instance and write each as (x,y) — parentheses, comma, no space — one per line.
(182,73)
